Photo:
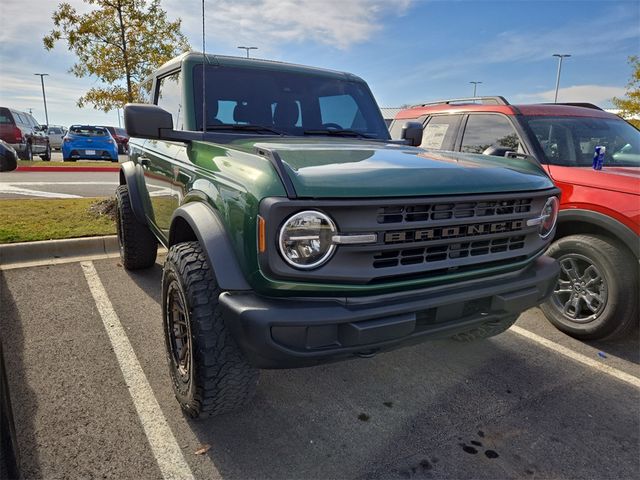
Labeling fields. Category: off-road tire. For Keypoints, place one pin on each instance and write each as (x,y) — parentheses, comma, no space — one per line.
(219,379)
(490,328)
(46,156)
(138,245)
(619,269)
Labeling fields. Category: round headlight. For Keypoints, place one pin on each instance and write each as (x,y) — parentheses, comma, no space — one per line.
(306,239)
(549,216)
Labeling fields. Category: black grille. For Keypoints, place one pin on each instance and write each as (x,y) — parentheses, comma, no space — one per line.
(451,251)
(454,210)
(416,237)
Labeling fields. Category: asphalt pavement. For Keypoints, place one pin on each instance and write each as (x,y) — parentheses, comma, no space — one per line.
(509,407)
(65,184)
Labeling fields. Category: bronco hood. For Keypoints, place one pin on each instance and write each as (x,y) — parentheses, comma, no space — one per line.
(343,168)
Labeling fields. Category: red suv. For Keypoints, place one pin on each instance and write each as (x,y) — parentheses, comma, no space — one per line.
(24,134)
(598,236)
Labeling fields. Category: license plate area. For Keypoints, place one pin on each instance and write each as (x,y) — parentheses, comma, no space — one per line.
(90,152)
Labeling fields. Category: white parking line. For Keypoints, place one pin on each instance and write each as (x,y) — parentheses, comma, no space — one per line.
(163,444)
(578,357)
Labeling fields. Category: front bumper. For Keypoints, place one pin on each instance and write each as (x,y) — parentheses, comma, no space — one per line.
(299,332)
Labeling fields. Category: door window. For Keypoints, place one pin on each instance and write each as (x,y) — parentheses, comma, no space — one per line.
(440,132)
(170,98)
(485,130)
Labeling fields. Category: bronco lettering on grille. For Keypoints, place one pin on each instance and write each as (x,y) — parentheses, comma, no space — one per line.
(438,233)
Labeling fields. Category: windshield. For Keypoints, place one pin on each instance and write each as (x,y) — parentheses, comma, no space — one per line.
(571,141)
(89,131)
(287,102)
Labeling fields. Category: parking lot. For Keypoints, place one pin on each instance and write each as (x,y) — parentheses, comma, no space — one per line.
(531,403)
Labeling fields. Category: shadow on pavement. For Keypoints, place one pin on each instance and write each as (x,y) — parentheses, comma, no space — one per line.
(24,401)
(627,348)
(487,412)
(149,280)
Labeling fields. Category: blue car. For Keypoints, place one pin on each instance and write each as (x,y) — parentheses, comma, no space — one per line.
(89,142)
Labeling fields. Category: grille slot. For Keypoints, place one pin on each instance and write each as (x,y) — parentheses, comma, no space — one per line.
(414,256)
(453,210)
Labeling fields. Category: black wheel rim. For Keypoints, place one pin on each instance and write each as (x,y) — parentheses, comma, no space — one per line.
(178,332)
(581,292)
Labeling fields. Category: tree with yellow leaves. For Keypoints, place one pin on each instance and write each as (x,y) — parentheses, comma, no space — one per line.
(630,106)
(120,42)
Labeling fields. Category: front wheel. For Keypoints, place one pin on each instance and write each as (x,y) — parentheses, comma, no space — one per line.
(209,373)
(596,295)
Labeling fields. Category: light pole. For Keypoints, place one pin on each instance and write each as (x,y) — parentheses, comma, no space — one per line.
(560,57)
(475,86)
(44,97)
(247,49)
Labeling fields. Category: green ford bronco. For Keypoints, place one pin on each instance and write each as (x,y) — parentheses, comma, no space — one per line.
(299,233)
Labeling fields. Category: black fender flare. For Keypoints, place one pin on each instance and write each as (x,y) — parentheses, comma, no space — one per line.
(130,173)
(620,231)
(212,236)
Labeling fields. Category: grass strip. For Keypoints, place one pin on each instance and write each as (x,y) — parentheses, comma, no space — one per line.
(26,220)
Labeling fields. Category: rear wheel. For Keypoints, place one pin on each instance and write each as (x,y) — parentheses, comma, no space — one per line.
(138,245)
(47,154)
(209,373)
(596,295)
(28,153)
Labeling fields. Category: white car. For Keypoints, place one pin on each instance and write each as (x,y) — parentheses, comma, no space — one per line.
(55,134)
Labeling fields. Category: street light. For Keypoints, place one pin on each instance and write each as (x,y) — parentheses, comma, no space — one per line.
(560,57)
(247,49)
(475,85)
(44,97)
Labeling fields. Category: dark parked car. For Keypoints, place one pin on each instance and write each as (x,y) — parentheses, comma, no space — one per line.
(298,233)
(121,138)
(24,134)
(8,157)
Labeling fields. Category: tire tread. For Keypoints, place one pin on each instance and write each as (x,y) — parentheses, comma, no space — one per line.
(139,245)
(224,381)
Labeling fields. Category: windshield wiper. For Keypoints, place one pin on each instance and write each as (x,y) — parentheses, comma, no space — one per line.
(335,131)
(247,127)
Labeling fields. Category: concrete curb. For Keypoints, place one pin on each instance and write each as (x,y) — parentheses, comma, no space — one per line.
(67,169)
(51,252)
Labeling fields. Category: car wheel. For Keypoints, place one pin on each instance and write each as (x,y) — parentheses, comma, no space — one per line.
(47,154)
(490,328)
(209,373)
(28,153)
(138,246)
(596,295)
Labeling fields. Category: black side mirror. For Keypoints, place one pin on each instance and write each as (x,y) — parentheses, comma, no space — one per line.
(146,121)
(8,158)
(412,133)
(497,151)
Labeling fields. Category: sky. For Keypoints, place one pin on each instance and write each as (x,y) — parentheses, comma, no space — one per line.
(409,51)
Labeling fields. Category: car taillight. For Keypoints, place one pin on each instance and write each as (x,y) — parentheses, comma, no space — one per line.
(66,139)
(17,133)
